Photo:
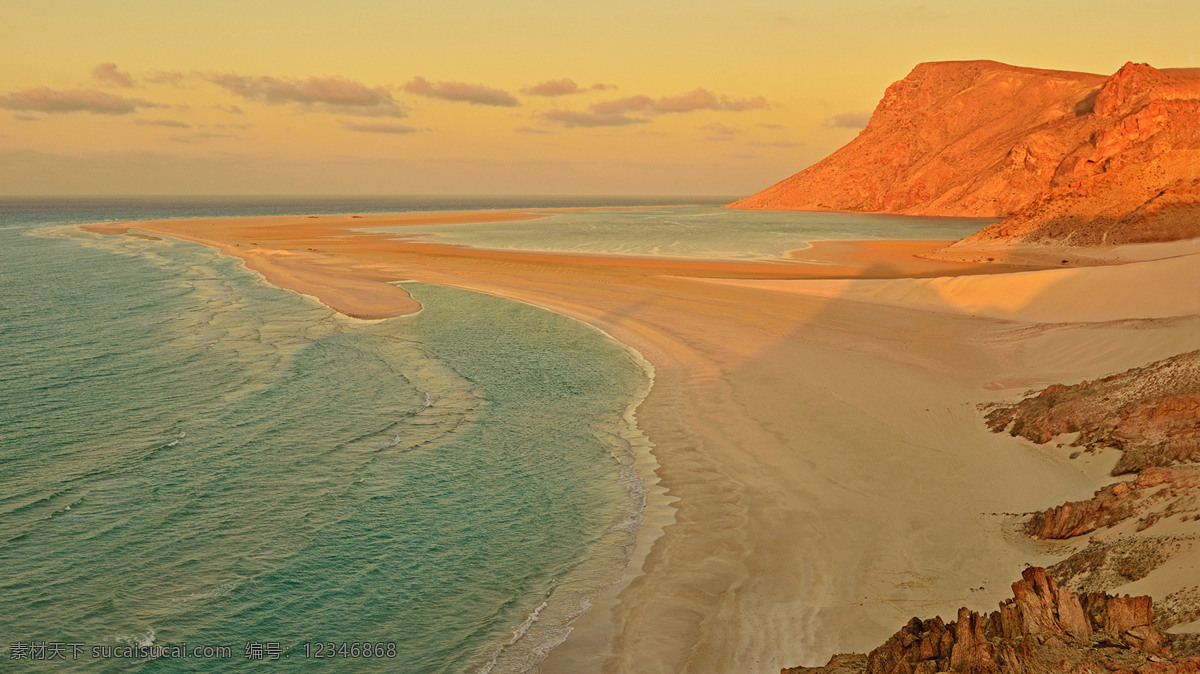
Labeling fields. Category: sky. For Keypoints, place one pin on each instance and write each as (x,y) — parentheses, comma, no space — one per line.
(518,97)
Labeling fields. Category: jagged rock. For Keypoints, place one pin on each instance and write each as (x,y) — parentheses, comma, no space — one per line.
(1043,628)
(1118,502)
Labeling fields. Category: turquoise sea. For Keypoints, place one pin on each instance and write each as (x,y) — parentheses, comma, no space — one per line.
(190,458)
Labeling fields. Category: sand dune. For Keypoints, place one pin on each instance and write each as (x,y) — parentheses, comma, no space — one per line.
(1143,290)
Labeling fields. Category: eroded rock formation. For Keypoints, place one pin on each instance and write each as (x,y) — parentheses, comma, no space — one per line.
(1157,492)
(1043,628)
(1150,413)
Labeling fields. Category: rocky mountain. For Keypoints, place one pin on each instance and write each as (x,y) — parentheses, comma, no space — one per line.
(1063,157)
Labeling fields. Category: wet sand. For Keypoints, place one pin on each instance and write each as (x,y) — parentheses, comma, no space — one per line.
(822,451)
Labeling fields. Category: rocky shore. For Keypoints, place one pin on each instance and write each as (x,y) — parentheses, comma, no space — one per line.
(1062,619)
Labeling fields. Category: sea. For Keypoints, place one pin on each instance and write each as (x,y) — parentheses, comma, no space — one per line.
(202,472)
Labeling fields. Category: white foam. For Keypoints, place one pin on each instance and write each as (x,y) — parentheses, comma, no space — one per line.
(141,640)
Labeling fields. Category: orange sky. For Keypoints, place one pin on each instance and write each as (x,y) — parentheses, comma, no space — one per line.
(472,97)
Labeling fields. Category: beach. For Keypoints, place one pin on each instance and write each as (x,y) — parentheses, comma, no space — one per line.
(821,467)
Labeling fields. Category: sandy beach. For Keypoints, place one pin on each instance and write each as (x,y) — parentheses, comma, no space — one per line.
(815,422)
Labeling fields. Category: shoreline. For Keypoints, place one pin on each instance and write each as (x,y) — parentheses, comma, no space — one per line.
(781,547)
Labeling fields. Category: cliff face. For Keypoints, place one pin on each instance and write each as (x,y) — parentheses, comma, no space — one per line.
(1065,157)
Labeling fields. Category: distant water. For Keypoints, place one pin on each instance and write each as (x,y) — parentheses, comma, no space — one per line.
(192,456)
(702,231)
(100,208)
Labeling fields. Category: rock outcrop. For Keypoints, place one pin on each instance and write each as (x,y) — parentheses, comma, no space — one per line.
(1043,628)
(1064,157)
(1156,493)
(1150,413)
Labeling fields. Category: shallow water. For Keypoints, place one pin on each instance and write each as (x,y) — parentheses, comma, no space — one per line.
(691,231)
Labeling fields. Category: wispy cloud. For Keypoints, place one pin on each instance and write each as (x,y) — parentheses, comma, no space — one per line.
(378,127)
(231,109)
(697,99)
(623,105)
(703,99)
(849,120)
(44,99)
(563,87)
(331,94)
(175,124)
(774,143)
(590,118)
(617,112)
(721,131)
(769,126)
(530,129)
(172,77)
(108,74)
(475,94)
(203,136)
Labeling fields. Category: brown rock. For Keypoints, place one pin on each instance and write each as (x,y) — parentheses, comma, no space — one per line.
(1150,413)
(1043,628)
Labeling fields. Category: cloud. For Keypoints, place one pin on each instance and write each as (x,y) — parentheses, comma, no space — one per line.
(697,99)
(231,109)
(202,135)
(719,129)
(378,127)
(769,126)
(27,118)
(616,112)
(848,120)
(172,77)
(338,94)
(623,105)
(703,99)
(108,73)
(530,129)
(775,143)
(43,99)
(475,94)
(163,122)
(589,118)
(561,87)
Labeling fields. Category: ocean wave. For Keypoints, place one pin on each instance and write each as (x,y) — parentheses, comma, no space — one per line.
(223,590)
(144,640)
